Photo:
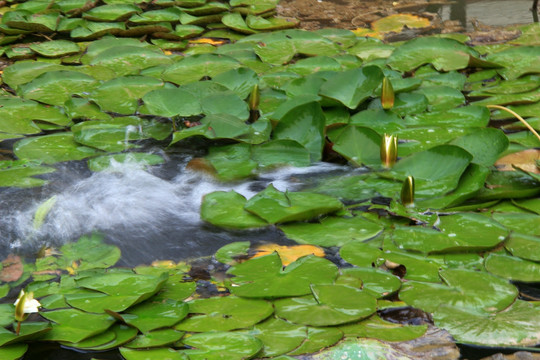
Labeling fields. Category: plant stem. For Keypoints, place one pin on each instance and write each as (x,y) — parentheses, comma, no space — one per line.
(517,116)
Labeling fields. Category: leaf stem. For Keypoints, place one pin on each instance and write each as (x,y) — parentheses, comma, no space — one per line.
(517,116)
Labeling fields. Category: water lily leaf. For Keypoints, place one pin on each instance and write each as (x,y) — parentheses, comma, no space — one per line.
(417,267)
(466,289)
(13,352)
(304,124)
(52,148)
(116,134)
(486,145)
(397,22)
(20,173)
(219,345)
(241,81)
(109,42)
(375,327)
(169,102)
(225,103)
(28,331)
(152,315)
(160,353)
(231,162)
(278,336)
(18,116)
(90,253)
(108,162)
(155,338)
(332,231)
(522,223)
(170,14)
(226,209)
(56,87)
(377,119)
(519,325)
(280,152)
(78,108)
(442,97)
(90,30)
(129,60)
(360,253)
(466,116)
(356,349)
(236,22)
(111,12)
(406,103)
(122,335)
(121,94)
(378,283)
(360,145)
(508,184)
(227,254)
(224,314)
(513,268)
(55,48)
(466,231)
(94,341)
(23,72)
(353,86)
(524,246)
(265,276)
(328,305)
(317,339)
(523,84)
(371,49)
(505,99)
(67,325)
(517,61)
(444,54)
(25,20)
(277,207)
(193,68)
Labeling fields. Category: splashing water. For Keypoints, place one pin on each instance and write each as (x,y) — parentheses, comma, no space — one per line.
(148,216)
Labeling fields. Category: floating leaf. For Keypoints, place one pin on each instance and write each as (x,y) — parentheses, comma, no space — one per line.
(377,328)
(193,68)
(67,326)
(156,338)
(216,345)
(20,173)
(376,282)
(227,209)
(359,145)
(278,336)
(160,353)
(513,268)
(151,315)
(55,48)
(288,254)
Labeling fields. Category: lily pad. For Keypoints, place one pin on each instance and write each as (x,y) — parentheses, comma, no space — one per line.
(152,315)
(193,68)
(13,352)
(513,268)
(376,282)
(328,305)
(227,209)
(265,276)
(224,314)
(219,345)
(55,48)
(156,338)
(524,246)
(160,353)
(359,145)
(377,328)
(278,336)
(317,339)
(67,325)
(20,173)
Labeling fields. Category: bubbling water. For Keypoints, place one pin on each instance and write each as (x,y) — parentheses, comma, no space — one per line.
(147,215)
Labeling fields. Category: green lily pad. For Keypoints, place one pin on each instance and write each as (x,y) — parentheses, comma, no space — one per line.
(193,68)
(328,305)
(517,61)
(121,335)
(225,103)
(524,223)
(360,253)
(280,152)
(485,145)
(56,87)
(160,353)
(377,328)
(23,72)
(376,282)
(227,253)
(20,116)
(52,148)
(465,289)
(19,173)
(165,102)
(417,267)
(112,12)
(278,336)
(518,325)
(226,209)
(332,231)
(108,162)
(442,98)
(129,60)
(236,22)
(55,48)
(89,252)
(352,87)
(524,246)
(67,325)
(152,315)
(121,95)
(156,338)
(359,145)
(508,185)
(13,352)
(265,276)
(94,341)
(224,314)
(513,268)
(317,339)
(28,331)
(465,231)
(231,162)
(277,207)
(219,345)
(422,138)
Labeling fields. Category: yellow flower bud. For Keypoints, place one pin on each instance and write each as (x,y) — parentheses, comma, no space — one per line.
(389,150)
(407,192)
(387,95)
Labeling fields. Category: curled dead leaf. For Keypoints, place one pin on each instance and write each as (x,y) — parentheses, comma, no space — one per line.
(526,160)
(12,269)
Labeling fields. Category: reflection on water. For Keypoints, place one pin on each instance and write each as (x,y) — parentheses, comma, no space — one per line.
(149,215)
(490,12)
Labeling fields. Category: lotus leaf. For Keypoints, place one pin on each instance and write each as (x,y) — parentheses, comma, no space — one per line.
(67,326)
(226,209)
(121,94)
(56,87)
(444,54)
(513,268)
(465,289)
(265,277)
(277,207)
(224,314)
(328,305)
(317,339)
(518,325)
(376,282)
(332,231)
(376,328)
(278,336)
(195,67)
(160,353)
(156,338)
(52,148)
(219,345)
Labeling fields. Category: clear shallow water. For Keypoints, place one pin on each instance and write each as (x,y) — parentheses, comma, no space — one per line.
(150,214)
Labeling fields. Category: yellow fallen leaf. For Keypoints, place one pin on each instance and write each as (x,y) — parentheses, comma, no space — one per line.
(525,160)
(397,22)
(210,41)
(288,254)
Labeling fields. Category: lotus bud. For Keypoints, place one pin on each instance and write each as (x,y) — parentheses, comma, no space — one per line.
(407,192)
(25,305)
(387,95)
(253,103)
(389,150)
